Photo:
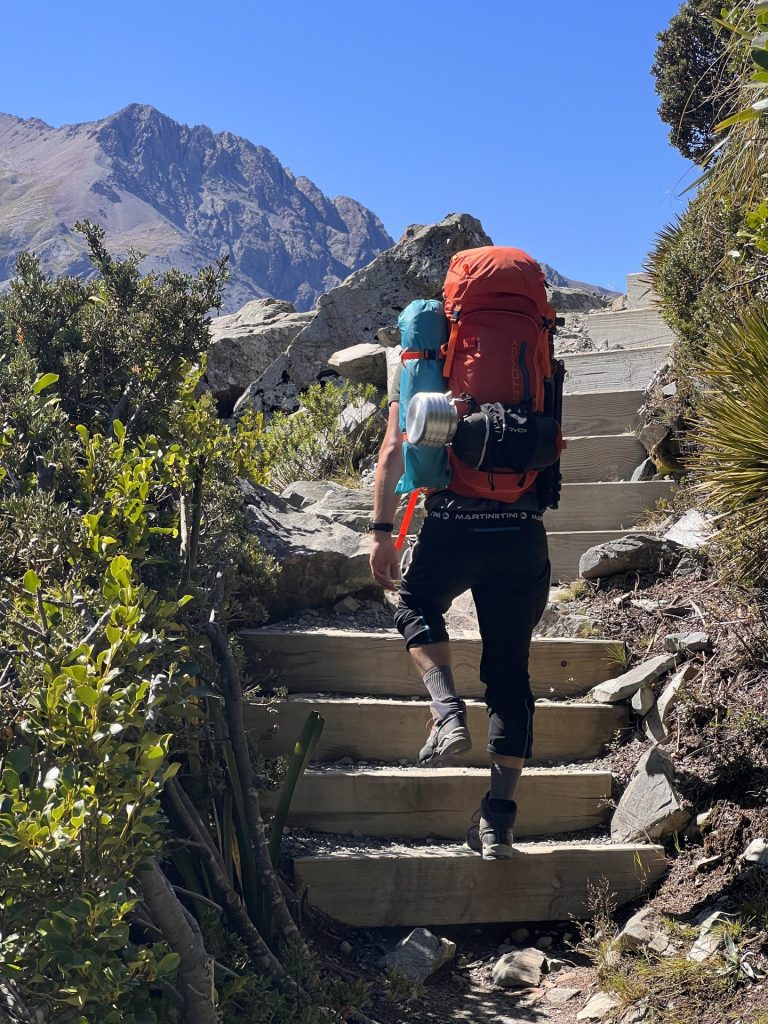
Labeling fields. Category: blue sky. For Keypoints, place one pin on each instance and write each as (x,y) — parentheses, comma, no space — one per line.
(539,118)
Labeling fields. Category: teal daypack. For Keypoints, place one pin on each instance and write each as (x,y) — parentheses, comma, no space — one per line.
(423,330)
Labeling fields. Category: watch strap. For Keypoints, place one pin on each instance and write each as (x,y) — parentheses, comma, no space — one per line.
(380,527)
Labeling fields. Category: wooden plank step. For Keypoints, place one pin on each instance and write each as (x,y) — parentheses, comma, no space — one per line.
(628,328)
(608,505)
(565,550)
(434,886)
(601,412)
(629,369)
(422,803)
(352,661)
(371,729)
(609,457)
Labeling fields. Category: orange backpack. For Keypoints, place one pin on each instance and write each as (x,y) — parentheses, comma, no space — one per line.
(500,350)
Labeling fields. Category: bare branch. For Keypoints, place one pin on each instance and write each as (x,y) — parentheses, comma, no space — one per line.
(195,973)
(233,907)
(233,694)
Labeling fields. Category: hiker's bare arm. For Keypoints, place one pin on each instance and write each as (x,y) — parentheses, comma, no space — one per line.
(384,559)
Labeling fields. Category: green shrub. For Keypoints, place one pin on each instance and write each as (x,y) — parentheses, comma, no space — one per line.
(693,79)
(314,444)
(114,532)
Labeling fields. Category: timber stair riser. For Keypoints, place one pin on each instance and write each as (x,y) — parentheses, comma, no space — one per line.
(425,803)
(617,370)
(601,412)
(603,458)
(393,730)
(540,883)
(337,661)
(592,507)
(628,328)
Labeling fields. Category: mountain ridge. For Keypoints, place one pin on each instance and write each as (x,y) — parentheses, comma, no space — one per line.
(183,195)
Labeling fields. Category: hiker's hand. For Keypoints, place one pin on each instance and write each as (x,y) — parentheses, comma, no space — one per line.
(384,560)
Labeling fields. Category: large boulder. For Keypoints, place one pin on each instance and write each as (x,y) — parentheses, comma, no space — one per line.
(635,552)
(368,300)
(320,560)
(245,343)
(352,506)
(651,807)
(365,363)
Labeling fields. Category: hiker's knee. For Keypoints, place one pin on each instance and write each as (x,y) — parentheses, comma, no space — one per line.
(420,626)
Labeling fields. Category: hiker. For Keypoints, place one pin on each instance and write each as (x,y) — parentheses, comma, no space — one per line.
(483,530)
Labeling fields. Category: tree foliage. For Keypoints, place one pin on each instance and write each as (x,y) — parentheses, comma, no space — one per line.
(694,78)
(119,514)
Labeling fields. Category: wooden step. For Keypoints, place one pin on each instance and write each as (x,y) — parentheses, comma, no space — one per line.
(630,369)
(628,328)
(422,803)
(372,729)
(438,886)
(608,457)
(601,412)
(609,505)
(565,550)
(350,661)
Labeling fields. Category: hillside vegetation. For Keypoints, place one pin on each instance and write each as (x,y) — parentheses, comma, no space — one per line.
(137,881)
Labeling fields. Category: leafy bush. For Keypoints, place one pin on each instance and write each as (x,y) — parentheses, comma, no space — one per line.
(124,553)
(321,441)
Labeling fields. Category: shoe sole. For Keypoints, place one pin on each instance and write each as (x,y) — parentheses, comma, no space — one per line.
(453,744)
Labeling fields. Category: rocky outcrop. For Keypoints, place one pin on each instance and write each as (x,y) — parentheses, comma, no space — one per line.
(245,343)
(370,299)
(575,300)
(319,560)
(183,195)
(349,506)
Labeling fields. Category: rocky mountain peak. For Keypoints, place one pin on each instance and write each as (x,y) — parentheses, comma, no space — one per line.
(183,195)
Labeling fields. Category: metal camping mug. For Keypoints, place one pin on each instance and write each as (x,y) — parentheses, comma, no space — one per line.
(432,419)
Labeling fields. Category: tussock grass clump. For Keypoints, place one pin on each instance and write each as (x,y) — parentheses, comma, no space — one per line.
(732,432)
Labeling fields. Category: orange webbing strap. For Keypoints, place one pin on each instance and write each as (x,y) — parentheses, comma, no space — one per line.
(452,339)
(404,356)
(409,510)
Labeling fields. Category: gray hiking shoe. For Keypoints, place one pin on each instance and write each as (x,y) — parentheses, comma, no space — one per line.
(490,834)
(448,736)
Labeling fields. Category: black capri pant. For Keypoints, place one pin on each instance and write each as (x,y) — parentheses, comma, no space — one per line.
(502,557)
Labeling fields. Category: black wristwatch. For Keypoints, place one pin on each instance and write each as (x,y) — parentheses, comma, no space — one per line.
(380,527)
